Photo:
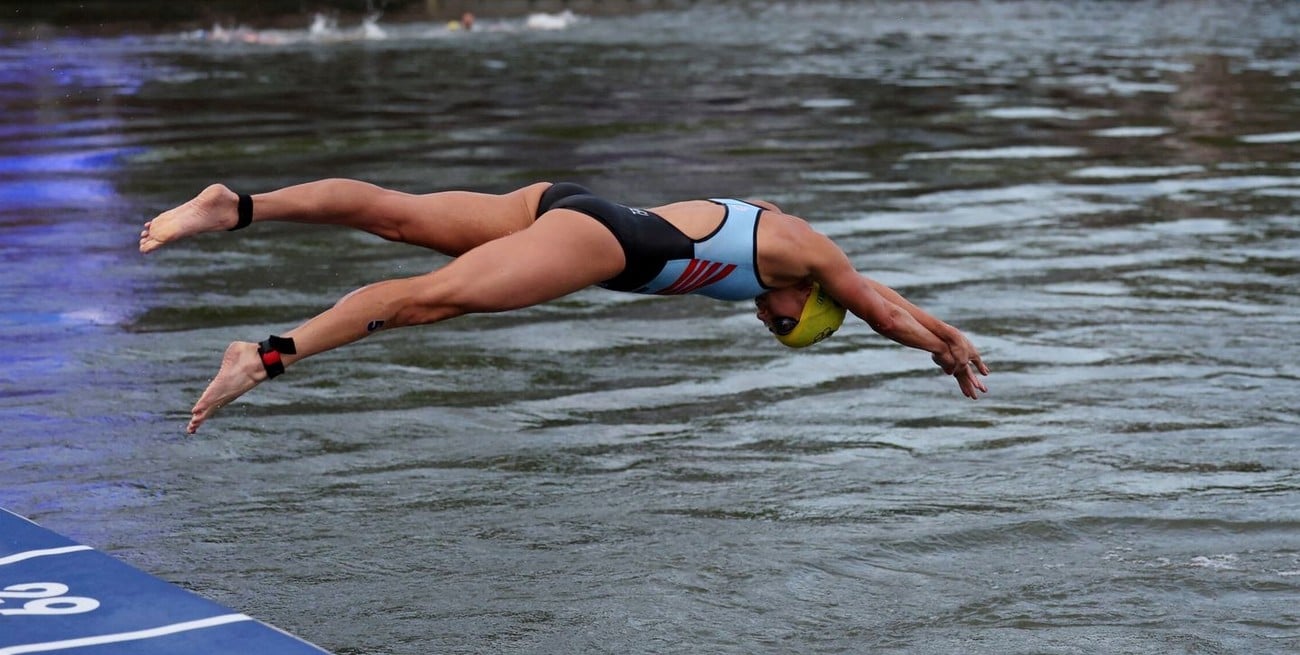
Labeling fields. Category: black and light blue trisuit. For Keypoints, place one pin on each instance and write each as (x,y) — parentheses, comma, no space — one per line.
(662,260)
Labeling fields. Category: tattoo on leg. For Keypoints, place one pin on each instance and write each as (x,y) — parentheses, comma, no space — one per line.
(374,325)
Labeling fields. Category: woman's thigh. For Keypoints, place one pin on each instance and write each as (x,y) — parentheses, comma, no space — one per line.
(563,252)
(455,222)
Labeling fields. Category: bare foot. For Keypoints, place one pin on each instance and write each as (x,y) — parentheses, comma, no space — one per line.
(241,370)
(215,208)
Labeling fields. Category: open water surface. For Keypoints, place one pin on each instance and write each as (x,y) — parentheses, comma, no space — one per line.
(1106,196)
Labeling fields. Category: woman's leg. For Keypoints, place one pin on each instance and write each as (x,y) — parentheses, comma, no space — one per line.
(451,222)
(563,252)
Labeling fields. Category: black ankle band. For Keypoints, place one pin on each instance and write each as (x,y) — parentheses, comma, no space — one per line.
(245,212)
(270,351)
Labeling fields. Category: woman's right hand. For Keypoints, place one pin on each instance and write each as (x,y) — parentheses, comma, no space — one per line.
(963,361)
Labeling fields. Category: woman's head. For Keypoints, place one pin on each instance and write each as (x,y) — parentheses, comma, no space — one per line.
(801,315)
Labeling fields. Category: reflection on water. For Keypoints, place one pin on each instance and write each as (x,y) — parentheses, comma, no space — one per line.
(1103,194)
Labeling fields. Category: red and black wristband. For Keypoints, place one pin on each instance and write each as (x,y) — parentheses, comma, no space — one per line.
(271,350)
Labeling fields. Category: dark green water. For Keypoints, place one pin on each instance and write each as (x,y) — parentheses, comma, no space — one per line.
(1104,195)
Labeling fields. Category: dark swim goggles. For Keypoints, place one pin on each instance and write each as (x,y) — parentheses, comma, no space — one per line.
(782,325)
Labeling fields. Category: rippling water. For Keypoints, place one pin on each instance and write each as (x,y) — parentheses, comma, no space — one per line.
(1104,195)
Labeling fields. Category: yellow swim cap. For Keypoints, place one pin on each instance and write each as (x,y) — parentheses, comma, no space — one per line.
(820,318)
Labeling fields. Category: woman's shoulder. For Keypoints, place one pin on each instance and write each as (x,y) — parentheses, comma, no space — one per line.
(789,226)
(789,249)
(770,206)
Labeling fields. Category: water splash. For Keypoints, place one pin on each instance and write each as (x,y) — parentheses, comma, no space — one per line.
(325,29)
(544,21)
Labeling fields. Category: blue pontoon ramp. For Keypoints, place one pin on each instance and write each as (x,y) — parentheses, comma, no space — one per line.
(58,596)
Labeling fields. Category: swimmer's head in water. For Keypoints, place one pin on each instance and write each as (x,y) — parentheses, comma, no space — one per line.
(820,318)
